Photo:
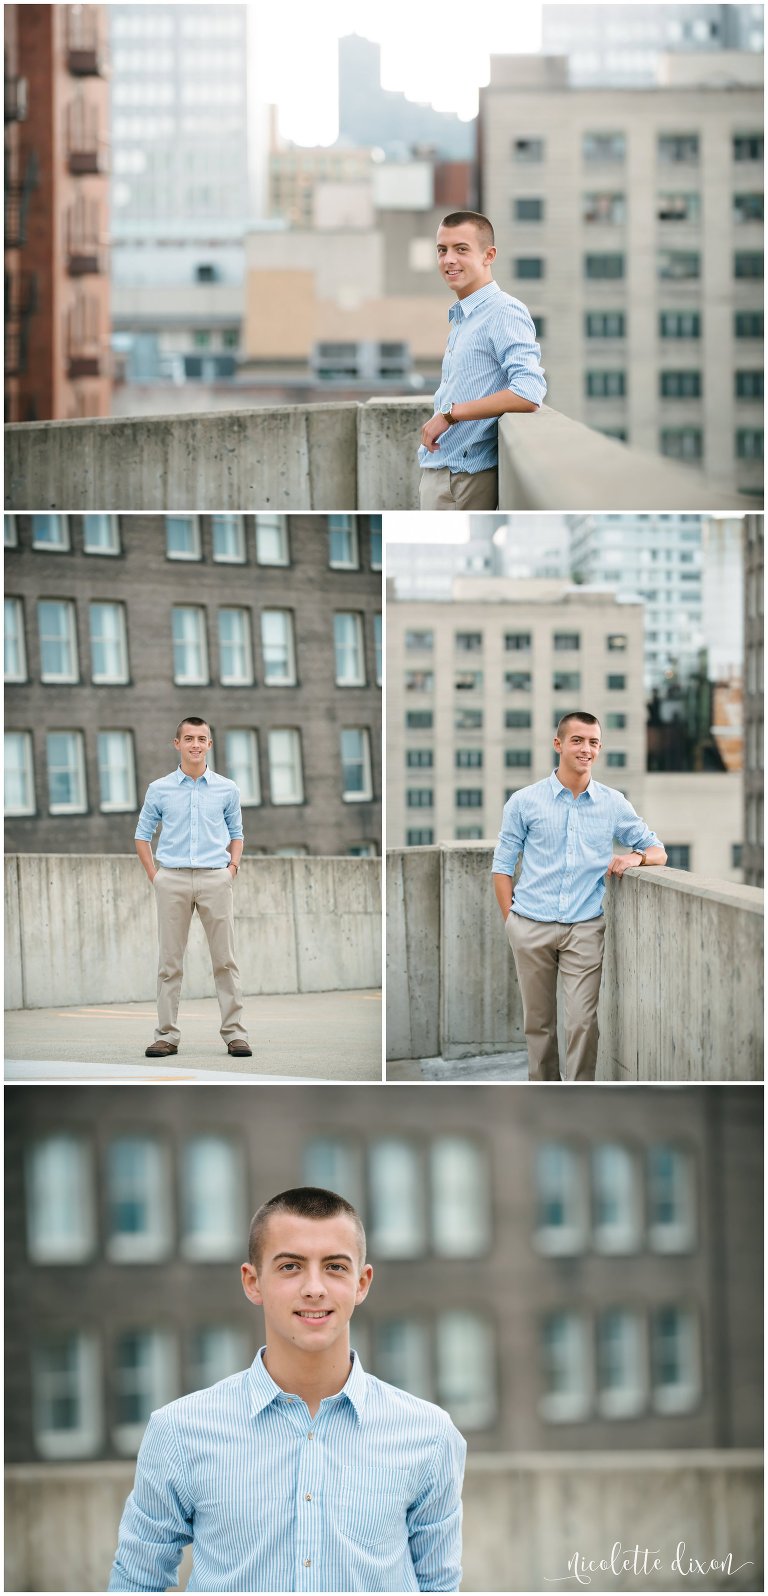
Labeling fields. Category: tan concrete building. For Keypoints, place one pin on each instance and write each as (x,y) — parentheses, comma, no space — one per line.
(630,221)
(698,815)
(476,687)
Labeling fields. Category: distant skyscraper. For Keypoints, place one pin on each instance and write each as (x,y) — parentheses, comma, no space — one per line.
(621,45)
(370,115)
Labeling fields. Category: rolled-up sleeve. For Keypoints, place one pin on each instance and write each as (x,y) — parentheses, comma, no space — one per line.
(149,819)
(631,830)
(157,1519)
(434,1520)
(233,814)
(518,353)
(511,838)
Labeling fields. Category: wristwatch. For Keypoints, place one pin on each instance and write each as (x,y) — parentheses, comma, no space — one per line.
(235,867)
(445,411)
(643,855)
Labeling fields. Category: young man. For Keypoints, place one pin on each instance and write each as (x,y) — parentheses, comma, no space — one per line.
(491,366)
(198,858)
(565,828)
(303,1473)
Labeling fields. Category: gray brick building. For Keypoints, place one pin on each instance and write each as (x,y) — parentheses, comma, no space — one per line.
(267,626)
(560,1270)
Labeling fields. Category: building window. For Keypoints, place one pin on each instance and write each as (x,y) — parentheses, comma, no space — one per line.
(117,773)
(235,650)
(749,443)
(469,798)
(348,648)
(138,1200)
(679,324)
(10,532)
(109,643)
(468,681)
(603,208)
(211,1199)
(528,210)
(615,760)
(674,1360)
(468,833)
(566,1393)
(469,758)
(100,534)
(215,1352)
(466,1362)
(418,720)
(748,324)
(61,1221)
(519,642)
(604,268)
(518,758)
(144,1379)
(517,681)
(678,855)
(603,147)
(566,642)
(615,683)
(468,642)
(419,642)
(286,779)
(460,1198)
(671,1199)
(615,1200)
(65,1396)
(228,537)
(748,263)
(621,1361)
(15,653)
(419,759)
(402,1355)
(528,267)
(605,324)
(190,647)
(375,526)
(615,721)
(528,150)
(682,443)
(58,640)
(680,384)
(566,681)
(423,837)
(748,384)
(747,146)
(468,719)
(182,537)
(278,649)
(517,719)
(616,642)
(66,773)
(241,757)
(342,543)
(678,265)
(19,781)
(678,207)
(678,149)
(377,646)
(419,798)
(748,208)
(272,540)
(336,1165)
(357,783)
(398,1209)
(561,1227)
(50,532)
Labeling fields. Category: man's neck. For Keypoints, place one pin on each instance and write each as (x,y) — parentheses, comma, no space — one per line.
(194,775)
(578,783)
(468,292)
(309,1375)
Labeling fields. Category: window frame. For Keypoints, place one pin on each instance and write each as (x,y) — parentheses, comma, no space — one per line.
(112,806)
(239,557)
(17,811)
(203,679)
(298,793)
(113,526)
(105,678)
(289,679)
(72,675)
(80,807)
(52,548)
(366,795)
(19,638)
(194,524)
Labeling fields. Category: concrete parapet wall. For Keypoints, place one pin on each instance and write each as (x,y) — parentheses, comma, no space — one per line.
(549,462)
(82,929)
(524,1517)
(388,437)
(682,993)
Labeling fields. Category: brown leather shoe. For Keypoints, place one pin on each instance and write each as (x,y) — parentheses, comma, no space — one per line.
(160,1050)
(239,1050)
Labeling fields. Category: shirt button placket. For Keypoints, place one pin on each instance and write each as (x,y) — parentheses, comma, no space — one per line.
(306,1492)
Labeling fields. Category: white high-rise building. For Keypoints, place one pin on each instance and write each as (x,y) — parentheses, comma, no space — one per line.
(622,45)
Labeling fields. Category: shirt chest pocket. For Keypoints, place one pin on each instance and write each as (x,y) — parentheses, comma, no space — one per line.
(370,1505)
(595,833)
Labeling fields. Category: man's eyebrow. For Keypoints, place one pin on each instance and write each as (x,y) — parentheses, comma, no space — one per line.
(300,1257)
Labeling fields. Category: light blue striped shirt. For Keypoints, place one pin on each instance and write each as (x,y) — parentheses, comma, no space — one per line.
(198,817)
(491,345)
(365,1496)
(567,845)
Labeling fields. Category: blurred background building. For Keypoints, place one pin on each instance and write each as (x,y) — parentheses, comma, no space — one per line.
(268,626)
(638,618)
(554,1279)
(754,710)
(625,45)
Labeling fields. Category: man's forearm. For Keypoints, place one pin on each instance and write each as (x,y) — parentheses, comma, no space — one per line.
(503,886)
(655,855)
(495,404)
(234,849)
(144,851)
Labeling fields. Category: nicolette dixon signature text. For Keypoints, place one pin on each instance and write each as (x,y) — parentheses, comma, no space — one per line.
(641,1560)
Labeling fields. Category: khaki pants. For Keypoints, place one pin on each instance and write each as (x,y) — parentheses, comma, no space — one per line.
(177,894)
(541,949)
(442,489)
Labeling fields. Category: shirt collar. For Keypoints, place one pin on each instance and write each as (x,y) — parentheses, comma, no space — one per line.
(465,307)
(264,1391)
(558,787)
(181,775)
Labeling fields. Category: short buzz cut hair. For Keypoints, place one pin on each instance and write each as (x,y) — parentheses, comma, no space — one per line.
(576,714)
(483,225)
(309,1202)
(191,720)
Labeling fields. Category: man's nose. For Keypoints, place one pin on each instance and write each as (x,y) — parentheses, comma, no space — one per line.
(314,1284)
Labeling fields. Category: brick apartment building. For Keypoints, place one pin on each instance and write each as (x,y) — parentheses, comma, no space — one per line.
(582,1272)
(267,626)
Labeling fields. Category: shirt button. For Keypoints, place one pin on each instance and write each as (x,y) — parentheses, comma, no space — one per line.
(308,1496)
(307,1562)
(310,1435)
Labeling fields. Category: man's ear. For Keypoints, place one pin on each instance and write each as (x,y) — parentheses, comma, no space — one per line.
(363,1284)
(251,1285)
